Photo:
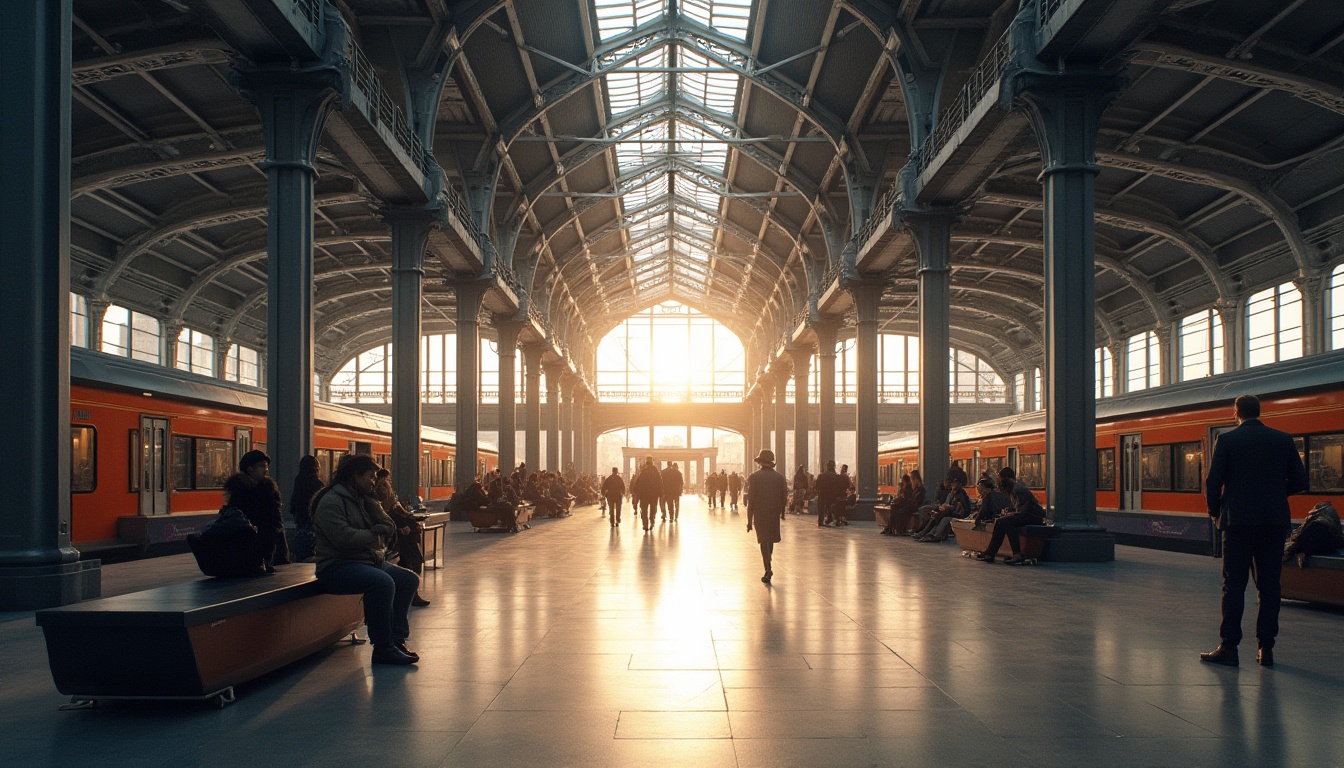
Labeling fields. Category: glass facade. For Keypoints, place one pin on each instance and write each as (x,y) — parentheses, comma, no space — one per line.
(1201,345)
(1274,325)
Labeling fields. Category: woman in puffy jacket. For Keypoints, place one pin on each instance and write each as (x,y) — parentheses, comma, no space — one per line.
(352,533)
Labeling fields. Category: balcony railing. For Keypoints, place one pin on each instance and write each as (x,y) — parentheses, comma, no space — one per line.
(986,73)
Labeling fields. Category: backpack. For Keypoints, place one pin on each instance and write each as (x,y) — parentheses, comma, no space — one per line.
(228,547)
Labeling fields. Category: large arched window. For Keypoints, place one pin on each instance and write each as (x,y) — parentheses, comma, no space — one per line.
(1201,341)
(1274,325)
(367,377)
(1143,362)
(970,379)
(1335,295)
(670,353)
(1104,373)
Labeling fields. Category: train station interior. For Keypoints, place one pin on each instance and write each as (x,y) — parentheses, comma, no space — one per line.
(463,235)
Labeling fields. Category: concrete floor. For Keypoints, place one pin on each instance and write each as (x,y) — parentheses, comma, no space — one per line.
(573,644)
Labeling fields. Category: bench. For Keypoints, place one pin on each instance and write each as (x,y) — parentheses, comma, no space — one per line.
(194,640)
(486,519)
(1320,580)
(1032,538)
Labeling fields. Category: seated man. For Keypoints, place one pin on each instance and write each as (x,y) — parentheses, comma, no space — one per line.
(1026,511)
(956,507)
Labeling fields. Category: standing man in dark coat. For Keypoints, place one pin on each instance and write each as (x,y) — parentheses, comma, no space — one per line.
(1253,471)
(613,488)
(829,490)
(672,491)
(648,487)
(254,492)
(734,487)
(767,494)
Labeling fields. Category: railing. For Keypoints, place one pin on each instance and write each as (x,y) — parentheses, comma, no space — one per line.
(986,73)
(462,211)
(1045,9)
(711,395)
(880,210)
(506,275)
(385,110)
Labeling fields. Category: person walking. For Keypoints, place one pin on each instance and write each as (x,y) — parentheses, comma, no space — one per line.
(672,491)
(613,489)
(648,489)
(734,487)
(1253,471)
(767,493)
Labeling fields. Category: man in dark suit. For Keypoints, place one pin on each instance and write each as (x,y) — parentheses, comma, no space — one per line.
(1253,471)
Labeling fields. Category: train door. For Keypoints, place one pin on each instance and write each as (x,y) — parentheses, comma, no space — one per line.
(153,465)
(1012,458)
(1131,471)
(242,441)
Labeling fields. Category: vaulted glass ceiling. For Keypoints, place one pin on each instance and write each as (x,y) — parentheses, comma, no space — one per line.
(672,113)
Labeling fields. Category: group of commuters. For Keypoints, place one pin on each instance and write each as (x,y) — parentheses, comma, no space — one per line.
(720,487)
(653,491)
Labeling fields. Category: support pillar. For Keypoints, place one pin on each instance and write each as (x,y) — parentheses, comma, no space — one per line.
(1169,351)
(569,390)
(767,413)
(867,298)
(294,104)
(802,364)
(553,374)
(97,312)
(507,330)
(826,333)
(933,237)
(532,407)
(751,438)
(38,567)
(1064,110)
(1315,323)
(781,415)
(1119,367)
(469,293)
(410,236)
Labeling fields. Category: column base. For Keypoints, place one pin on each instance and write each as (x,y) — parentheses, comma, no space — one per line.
(1079,547)
(863,509)
(30,587)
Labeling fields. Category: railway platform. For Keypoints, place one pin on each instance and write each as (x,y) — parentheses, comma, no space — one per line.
(584,645)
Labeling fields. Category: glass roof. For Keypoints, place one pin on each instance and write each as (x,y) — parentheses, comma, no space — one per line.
(682,109)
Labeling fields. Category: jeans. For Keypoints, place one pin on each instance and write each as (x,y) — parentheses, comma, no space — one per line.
(388,590)
(1008,526)
(614,506)
(1252,551)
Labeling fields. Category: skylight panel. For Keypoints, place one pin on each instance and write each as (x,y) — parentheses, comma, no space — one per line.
(728,17)
(689,250)
(615,17)
(706,198)
(639,197)
(701,147)
(651,143)
(715,90)
(657,247)
(627,90)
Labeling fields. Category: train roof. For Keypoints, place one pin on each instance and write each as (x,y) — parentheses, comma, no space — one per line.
(124,374)
(1304,374)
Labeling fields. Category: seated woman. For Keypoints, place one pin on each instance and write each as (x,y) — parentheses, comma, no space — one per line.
(352,536)
(409,529)
(902,509)
(957,506)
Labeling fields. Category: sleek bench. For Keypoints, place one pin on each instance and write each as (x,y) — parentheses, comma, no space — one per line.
(194,640)
(483,520)
(1321,580)
(1032,538)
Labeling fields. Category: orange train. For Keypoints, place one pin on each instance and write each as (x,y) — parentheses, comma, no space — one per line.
(151,448)
(1153,447)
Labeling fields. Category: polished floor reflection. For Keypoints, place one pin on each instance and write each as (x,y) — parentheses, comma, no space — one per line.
(574,644)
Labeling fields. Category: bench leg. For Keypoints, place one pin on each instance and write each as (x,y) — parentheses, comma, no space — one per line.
(355,639)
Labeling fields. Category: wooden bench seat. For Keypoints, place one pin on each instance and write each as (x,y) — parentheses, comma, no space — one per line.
(1320,580)
(193,640)
(970,540)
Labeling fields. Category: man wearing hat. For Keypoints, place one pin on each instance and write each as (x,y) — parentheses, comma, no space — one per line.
(767,493)
(254,492)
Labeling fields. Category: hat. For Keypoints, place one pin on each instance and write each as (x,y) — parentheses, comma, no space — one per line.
(250,458)
(766,456)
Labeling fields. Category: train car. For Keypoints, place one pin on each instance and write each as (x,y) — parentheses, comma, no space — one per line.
(1153,447)
(151,448)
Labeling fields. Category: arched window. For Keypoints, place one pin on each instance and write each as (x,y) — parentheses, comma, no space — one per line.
(1274,325)
(367,377)
(79,321)
(1105,372)
(1335,295)
(135,335)
(243,365)
(1020,391)
(1037,395)
(970,378)
(1143,362)
(196,352)
(670,353)
(1201,345)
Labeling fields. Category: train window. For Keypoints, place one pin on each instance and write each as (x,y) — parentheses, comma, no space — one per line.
(1326,463)
(1031,470)
(136,460)
(1190,467)
(1105,469)
(180,464)
(1155,467)
(1300,443)
(213,463)
(992,464)
(83,459)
